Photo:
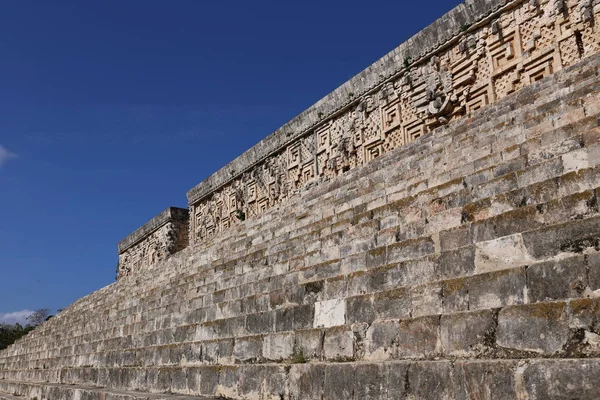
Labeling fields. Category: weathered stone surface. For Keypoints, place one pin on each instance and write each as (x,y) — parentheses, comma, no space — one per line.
(467,334)
(499,253)
(541,328)
(162,236)
(556,280)
(390,250)
(338,344)
(418,338)
(278,347)
(550,380)
(497,289)
(330,313)
(489,381)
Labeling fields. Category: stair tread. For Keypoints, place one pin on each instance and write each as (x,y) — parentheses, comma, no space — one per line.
(132,394)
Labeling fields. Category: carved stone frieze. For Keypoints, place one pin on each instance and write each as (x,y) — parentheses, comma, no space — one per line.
(515,46)
(164,235)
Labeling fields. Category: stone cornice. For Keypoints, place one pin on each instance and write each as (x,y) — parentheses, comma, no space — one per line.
(168,215)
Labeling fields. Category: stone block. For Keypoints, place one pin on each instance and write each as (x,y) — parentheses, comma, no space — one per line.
(467,334)
(409,250)
(562,379)
(502,253)
(585,314)
(557,280)
(573,236)
(433,380)
(412,272)
(304,316)
(397,378)
(497,289)
(376,257)
(418,338)
(260,323)
(391,304)
(539,328)
(179,382)
(261,382)
(455,295)
(338,344)
(489,380)
(371,382)
(203,381)
(306,381)
(457,263)
(339,382)
(309,343)
(426,299)
(229,377)
(594,272)
(277,347)
(330,313)
(380,340)
(284,319)
(248,349)
(360,309)
(157,379)
(455,238)
(336,288)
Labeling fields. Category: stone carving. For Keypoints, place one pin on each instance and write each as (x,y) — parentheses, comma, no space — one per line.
(525,42)
(586,10)
(440,91)
(164,235)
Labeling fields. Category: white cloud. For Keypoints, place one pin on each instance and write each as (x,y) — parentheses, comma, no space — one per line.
(5,155)
(15,317)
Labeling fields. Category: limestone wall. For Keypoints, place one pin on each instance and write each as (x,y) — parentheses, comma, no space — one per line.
(162,236)
(464,265)
(477,54)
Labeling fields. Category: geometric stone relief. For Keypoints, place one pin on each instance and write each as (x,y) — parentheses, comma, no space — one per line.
(164,235)
(526,42)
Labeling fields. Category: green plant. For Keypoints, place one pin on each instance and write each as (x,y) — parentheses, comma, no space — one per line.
(407,61)
(298,357)
(464,27)
(240,215)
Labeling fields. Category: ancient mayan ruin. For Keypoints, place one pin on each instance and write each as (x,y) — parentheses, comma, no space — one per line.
(429,230)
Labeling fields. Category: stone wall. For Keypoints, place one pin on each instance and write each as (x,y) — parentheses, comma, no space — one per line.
(464,264)
(477,54)
(162,236)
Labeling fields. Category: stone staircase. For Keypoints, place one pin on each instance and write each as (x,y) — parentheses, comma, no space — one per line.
(465,265)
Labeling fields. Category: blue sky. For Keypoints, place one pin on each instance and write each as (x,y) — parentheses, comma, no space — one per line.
(112,110)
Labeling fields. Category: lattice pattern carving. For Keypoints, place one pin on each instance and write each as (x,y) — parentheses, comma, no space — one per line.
(526,42)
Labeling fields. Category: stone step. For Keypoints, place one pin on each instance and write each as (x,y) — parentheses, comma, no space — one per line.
(531,207)
(50,391)
(158,310)
(551,213)
(531,378)
(469,322)
(479,241)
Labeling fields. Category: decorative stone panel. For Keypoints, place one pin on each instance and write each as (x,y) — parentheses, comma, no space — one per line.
(162,236)
(477,54)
